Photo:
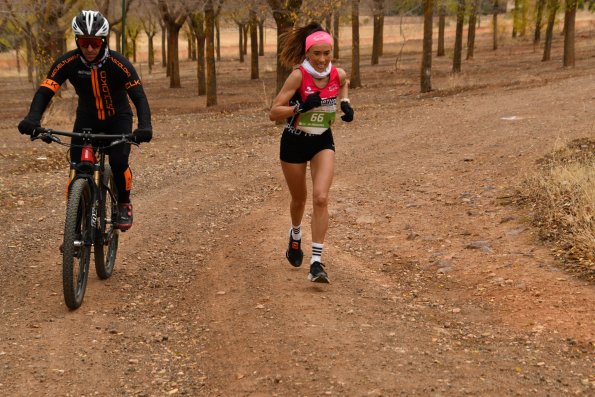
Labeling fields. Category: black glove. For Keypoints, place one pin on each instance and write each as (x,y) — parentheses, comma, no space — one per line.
(142,135)
(348,110)
(312,101)
(27,126)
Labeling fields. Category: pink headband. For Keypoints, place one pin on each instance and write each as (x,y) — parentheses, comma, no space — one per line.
(317,38)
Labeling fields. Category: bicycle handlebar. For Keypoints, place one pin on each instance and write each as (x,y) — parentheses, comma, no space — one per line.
(48,135)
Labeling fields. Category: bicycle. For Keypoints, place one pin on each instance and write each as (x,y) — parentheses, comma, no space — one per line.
(91,209)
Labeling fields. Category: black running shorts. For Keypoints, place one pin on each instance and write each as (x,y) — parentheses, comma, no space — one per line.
(299,147)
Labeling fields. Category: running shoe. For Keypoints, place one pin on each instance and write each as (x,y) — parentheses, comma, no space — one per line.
(294,253)
(317,273)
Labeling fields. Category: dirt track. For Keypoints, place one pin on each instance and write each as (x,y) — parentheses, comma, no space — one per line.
(438,286)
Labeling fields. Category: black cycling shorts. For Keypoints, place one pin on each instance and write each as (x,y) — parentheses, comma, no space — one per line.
(299,147)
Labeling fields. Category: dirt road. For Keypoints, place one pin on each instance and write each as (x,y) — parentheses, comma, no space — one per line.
(438,286)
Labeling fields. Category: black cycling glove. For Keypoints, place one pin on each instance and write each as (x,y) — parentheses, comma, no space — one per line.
(142,135)
(348,110)
(27,126)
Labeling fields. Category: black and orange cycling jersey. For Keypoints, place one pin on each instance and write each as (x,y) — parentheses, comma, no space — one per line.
(103,90)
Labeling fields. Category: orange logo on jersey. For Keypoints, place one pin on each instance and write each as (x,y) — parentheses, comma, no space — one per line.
(132,83)
(51,84)
(107,96)
(61,64)
(121,66)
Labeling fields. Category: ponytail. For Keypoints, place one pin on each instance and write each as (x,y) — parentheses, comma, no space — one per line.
(293,44)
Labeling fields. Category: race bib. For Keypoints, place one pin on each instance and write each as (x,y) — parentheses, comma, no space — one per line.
(316,119)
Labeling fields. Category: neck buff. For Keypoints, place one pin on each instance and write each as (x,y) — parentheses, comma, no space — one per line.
(99,61)
(313,72)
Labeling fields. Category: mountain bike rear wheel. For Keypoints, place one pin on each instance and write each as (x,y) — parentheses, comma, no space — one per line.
(77,243)
(106,238)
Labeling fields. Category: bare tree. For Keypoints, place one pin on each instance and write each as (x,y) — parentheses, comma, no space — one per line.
(149,21)
(377,39)
(569,28)
(197,24)
(253,44)
(441,26)
(43,26)
(284,12)
(495,25)
(174,15)
(133,27)
(538,20)
(241,18)
(471,29)
(426,59)
(112,10)
(336,26)
(210,57)
(355,81)
(456,61)
(552,6)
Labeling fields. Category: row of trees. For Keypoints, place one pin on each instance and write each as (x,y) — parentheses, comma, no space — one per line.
(42,28)
(520,15)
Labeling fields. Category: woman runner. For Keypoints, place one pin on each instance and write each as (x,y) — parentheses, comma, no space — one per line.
(308,100)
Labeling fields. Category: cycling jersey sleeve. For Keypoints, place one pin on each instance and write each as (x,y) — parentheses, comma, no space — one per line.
(48,87)
(135,91)
(143,112)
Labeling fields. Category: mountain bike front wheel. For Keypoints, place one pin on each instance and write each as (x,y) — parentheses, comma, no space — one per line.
(77,243)
(106,238)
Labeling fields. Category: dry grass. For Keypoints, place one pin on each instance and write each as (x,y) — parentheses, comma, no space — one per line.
(561,195)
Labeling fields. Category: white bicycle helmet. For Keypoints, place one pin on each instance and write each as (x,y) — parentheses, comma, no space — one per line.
(90,23)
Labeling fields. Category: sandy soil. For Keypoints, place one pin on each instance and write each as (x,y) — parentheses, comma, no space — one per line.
(438,285)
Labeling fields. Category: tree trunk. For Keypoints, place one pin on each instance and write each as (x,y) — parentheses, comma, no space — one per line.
(261,38)
(17,53)
(569,28)
(378,10)
(376,40)
(516,17)
(441,27)
(356,81)
(210,56)
(381,46)
(471,29)
(246,30)
(241,41)
(218,30)
(151,55)
(172,55)
(29,45)
(201,70)
(553,6)
(495,26)
(282,11)
(336,17)
(163,47)
(253,46)
(426,60)
(456,62)
(538,18)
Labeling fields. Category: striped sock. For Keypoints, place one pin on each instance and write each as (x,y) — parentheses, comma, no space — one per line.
(316,252)
(296,232)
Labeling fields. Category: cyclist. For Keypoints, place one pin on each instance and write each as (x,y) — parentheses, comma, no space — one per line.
(308,100)
(103,80)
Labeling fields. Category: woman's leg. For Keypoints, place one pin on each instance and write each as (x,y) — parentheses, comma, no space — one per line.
(295,176)
(322,168)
